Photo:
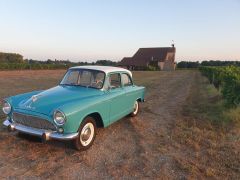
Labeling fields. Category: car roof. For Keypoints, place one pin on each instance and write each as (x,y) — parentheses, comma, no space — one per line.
(106,69)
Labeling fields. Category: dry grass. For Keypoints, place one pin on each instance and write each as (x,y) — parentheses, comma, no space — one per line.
(179,134)
(207,136)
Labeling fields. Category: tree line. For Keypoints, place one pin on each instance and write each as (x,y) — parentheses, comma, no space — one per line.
(197,64)
(12,61)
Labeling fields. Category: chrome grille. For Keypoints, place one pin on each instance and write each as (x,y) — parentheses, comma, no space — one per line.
(33,121)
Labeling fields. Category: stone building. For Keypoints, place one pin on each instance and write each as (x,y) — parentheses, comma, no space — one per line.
(159,57)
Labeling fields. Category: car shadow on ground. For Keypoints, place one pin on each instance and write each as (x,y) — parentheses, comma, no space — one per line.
(55,143)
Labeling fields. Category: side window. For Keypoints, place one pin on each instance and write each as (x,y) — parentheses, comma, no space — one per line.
(126,80)
(115,80)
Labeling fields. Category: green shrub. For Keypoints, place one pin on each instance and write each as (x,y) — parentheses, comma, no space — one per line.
(227,79)
(152,68)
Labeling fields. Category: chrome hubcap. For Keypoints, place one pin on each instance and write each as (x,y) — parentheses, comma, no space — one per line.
(87,134)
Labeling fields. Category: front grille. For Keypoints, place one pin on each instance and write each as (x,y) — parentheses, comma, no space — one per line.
(33,121)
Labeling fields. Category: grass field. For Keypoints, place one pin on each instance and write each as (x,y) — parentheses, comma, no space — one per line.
(183,131)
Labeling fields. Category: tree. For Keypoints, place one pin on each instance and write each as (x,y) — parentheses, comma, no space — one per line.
(11,58)
(188,64)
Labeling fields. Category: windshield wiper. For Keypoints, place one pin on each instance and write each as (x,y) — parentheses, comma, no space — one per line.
(68,84)
(89,86)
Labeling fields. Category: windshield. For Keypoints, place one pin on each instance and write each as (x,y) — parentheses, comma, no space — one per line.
(84,77)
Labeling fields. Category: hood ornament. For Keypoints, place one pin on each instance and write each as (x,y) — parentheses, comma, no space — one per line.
(35,98)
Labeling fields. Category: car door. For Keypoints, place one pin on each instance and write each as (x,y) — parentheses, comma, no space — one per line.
(129,91)
(116,96)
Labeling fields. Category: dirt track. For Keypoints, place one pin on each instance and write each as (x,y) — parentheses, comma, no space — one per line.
(130,148)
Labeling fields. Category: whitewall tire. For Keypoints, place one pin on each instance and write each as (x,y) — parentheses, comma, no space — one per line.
(135,109)
(86,134)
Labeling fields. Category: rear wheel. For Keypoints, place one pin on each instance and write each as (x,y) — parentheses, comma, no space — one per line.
(86,134)
(135,109)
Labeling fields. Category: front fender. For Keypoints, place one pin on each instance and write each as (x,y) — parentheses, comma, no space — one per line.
(77,110)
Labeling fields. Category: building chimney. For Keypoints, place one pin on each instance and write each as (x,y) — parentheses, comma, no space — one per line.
(172,43)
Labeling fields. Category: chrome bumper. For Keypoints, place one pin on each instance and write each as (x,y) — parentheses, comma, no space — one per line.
(46,135)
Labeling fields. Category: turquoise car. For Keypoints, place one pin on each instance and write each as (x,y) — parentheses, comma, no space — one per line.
(88,97)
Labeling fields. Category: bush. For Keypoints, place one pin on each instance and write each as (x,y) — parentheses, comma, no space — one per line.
(187,64)
(152,68)
(227,80)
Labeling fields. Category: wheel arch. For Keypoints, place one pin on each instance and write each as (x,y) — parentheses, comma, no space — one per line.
(140,99)
(97,117)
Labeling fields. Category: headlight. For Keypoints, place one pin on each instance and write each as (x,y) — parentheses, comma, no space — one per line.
(59,117)
(6,107)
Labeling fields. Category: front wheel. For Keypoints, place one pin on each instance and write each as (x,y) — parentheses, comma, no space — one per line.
(86,134)
(135,109)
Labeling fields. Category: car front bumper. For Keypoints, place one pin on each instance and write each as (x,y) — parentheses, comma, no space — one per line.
(45,134)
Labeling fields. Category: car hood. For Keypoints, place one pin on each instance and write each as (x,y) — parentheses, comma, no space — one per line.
(47,101)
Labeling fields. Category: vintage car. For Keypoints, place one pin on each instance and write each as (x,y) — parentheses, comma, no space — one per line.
(88,97)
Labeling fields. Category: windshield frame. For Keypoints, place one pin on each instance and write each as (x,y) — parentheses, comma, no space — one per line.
(82,69)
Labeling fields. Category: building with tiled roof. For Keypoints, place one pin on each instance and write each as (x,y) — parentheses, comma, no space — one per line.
(159,57)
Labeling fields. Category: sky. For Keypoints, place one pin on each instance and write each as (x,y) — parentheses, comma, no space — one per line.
(88,30)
